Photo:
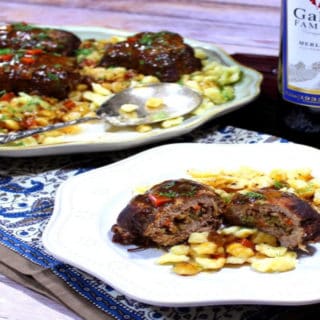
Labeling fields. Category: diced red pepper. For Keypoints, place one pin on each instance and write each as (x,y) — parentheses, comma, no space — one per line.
(289,222)
(131,39)
(196,207)
(27,60)
(88,62)
(158,200)
(6,57)
(247,243)
(130,74)
(7,96)
(29,122)
(69,104)
(34,51)
(167,223)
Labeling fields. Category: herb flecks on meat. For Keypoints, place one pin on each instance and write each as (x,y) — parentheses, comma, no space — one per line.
(26,36)
(185,206)
(36,72)
(163,54)
(293,221)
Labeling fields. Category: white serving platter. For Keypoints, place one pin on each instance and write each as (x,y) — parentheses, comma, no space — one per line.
(94,137)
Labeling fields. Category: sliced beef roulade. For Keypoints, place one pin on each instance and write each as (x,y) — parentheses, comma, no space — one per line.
(293,221)
(168,213)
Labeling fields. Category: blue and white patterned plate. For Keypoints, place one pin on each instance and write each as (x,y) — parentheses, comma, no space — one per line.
(27,192)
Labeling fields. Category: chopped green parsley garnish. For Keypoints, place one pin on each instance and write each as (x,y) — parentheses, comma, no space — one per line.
(5,51)
(279,185)
(149,38)
(22,26)
(42,36)
(254,195)
(174,194)
(84,51)
(169,194)
(146,39)
(169,184)
(53,76)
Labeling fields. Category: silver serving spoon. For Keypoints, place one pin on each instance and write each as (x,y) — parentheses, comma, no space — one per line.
(177,100)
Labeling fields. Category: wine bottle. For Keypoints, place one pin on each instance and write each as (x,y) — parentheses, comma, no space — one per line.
(299,65)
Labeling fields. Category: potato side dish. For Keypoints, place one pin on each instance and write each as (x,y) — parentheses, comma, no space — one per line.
(229,247)
(295,211)
(300,182)
(74,93)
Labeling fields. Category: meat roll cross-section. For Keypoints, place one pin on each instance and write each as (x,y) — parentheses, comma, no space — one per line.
(162,54)
(293,221)
(35,72)
(168,213)
(26,36)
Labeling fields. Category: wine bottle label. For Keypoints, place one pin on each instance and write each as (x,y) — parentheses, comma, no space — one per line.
(301,52)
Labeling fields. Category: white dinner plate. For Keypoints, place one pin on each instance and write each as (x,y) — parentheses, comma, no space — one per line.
(87,205)
(93,137)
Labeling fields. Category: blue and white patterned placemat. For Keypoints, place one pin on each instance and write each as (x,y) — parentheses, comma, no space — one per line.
(27,191)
